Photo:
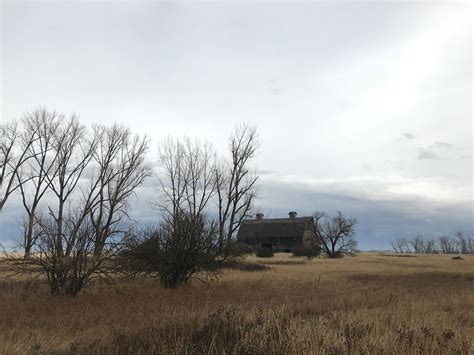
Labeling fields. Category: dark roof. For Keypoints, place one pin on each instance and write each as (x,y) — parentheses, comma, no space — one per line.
(274,227)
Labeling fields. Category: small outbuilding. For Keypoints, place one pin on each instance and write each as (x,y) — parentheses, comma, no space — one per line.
(278,234)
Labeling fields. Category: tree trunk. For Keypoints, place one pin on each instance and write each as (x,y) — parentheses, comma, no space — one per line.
(29,234)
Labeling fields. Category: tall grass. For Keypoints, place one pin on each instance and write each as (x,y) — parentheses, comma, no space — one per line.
(365,304)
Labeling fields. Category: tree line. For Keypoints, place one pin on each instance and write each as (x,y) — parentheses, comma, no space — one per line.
(445,244)
(76,183)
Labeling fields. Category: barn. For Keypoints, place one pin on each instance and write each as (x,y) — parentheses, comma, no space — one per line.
(279,234)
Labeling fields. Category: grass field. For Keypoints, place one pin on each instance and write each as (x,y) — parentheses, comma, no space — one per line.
(370,303)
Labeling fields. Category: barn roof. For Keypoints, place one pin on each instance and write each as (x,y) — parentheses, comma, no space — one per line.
(274,227)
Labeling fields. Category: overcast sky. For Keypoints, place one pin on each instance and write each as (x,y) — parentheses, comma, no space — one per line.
(362,107)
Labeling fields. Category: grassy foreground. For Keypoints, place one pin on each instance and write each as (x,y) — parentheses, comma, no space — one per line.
(370,303)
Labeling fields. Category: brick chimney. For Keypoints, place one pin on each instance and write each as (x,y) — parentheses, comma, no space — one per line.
(292,215)
(259,216)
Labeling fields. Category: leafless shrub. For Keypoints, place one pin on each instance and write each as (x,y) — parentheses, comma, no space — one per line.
(264,253)
(306,251)
(67,272)
(183,247)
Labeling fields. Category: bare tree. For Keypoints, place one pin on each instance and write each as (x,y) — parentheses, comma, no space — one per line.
(429,246)
(465,244)
(90,176)
(460,243)
(188,241)
(32,177)
(14,152)
(120,161)
(336,234)
(417,243)
(446,245)
(400,245)
(67,274)
(63,238)
(187,177)
(470,244)
(74,153)
(236,185)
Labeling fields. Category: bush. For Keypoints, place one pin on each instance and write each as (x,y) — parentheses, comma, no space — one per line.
(242,249)
(264,253)
(305,251)
(67,267)
(180,249)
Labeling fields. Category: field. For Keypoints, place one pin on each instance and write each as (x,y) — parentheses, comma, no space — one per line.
(370,303)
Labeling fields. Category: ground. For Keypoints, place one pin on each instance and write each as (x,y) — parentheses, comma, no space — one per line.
(370,303)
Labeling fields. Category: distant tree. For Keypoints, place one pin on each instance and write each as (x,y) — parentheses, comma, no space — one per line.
(417,243)
(336,234)
(400,245)
(429,247)
(446,245)
(460,243)
(464,243)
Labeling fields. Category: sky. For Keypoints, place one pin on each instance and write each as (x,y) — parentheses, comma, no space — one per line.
(363,107)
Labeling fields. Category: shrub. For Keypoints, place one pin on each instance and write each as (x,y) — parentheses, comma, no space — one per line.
(264,253)
(243,249)
(67,267)
(176,251)
(305,251)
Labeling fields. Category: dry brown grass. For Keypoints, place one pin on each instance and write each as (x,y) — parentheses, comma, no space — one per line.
(364,304)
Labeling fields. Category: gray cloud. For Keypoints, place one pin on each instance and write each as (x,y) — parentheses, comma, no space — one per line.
(444,145)
(264,171)
(426,154)
(408,135)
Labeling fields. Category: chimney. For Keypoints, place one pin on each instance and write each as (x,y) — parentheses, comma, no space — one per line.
(259,216)
(292,215)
